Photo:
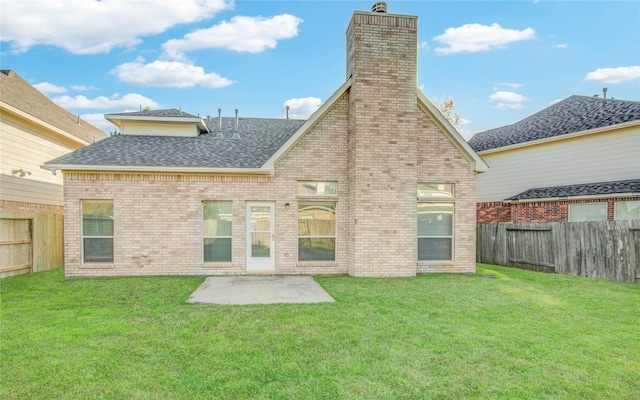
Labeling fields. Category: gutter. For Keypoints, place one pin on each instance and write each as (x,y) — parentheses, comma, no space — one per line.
(155,169)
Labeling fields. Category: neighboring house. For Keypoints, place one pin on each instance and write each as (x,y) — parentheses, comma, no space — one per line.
(376,183)
(577,160)
(33,130)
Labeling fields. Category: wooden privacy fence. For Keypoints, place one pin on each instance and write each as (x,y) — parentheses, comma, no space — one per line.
(607,250)
(15,245)
(30,242)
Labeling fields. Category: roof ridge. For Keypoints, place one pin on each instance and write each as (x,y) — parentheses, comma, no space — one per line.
(576,113)
(20,94)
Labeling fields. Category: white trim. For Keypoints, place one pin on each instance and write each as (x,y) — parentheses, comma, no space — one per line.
(562,137)
(334,237)
(135,168)
(204,262)
(260,264)
(83,236)
(315,117)
(570,198)
(452,237)
(477,163)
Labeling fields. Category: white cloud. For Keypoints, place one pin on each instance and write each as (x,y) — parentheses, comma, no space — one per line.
(562,45)
(614,75)
(476,37)
(168,74)
(243,34)
(49,88)
(302,108)
(131,100)
(423,45)
(99,122)
(497,86)
(82,88)
(509,97)
(508,106)
(507,100)
(94,26)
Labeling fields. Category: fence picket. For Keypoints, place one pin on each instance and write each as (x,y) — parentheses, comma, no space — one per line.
(607,250)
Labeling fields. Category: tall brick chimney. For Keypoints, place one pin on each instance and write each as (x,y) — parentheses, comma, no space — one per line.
(382,65)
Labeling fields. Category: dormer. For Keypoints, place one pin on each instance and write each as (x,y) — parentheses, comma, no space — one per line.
(169,122)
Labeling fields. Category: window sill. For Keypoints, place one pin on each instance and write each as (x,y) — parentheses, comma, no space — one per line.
(97,266)
(443,262)
(316,263)
(225,264)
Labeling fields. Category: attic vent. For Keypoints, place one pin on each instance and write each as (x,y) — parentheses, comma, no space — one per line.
(236,135)
(379,7)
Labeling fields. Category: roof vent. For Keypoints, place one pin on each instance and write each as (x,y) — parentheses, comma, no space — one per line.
(379,7)
(219,135)
(236,135)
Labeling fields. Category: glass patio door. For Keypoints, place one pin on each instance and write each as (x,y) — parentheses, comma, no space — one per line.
(260,237)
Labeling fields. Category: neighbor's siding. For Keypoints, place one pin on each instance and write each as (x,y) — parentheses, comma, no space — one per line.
(608,156)
(26,146)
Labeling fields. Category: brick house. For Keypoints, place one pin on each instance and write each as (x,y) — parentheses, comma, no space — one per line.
(577,160)
(376,183)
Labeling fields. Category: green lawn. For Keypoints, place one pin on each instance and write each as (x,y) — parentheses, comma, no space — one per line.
(522,335)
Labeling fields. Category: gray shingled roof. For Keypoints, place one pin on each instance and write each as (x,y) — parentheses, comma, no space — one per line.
(18,93)
(168,113)
(573,114)
(586,189)
(259,139)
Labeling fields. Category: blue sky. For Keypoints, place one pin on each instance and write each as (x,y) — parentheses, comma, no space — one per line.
(501,61)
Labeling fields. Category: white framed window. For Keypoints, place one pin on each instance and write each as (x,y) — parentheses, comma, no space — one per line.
(626,210)
(581,212)
(435,221)
(435,231)
(97,231)
(321,188)
(317,231)
(217,231)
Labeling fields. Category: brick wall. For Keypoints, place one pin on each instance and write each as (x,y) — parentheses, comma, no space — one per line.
(493,212)
(158,217)
(535,212)
(376,142)
(383,133)
(439,161)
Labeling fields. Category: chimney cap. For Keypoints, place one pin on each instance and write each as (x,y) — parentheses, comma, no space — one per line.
(379,7)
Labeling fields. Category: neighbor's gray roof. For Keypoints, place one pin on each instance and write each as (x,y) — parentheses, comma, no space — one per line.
(18,93)
(259,139)
(586,189)
(573,114)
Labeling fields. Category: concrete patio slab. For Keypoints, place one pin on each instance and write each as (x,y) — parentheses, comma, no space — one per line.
(259,290)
